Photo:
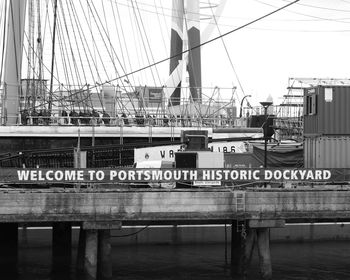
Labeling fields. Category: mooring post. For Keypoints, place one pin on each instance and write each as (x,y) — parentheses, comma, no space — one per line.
(248,251)
(237,246)
(8,249)
(90,263)
(104,254)
(81,250)
(263,237)
(61,248)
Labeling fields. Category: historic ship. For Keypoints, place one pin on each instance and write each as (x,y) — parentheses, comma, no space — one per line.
(87,93)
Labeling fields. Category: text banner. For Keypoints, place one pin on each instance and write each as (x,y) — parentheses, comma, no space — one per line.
(132,175)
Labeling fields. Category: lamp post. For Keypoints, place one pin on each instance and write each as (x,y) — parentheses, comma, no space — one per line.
(241,108)
(266,105)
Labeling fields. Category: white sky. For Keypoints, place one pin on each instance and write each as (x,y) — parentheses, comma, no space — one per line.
(309,39)
(292,45)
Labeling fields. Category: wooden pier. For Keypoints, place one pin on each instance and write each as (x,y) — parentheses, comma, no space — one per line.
(98,210)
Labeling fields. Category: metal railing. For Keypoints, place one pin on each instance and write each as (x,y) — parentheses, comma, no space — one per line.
(154,121)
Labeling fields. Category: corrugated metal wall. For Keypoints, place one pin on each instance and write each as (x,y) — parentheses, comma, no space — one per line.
(333,111)
(327,152)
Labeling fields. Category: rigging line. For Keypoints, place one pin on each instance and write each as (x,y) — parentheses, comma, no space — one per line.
(93,39)
(75,40)
(46,66)
(81,39)
(139,55)
(46,21)
(66,65)
(3,41)
(160,26)
(14,41)
(39,47)
(169,9)
(207,42)
(107,29)
(46,87)
(103,39)
(74,64)
(322,8)
(165,21)
(302,14)
(142,39)
(84,42)
(124,41)
(120,41)
(228,55)
(148,44)
(210,41)
(122,82)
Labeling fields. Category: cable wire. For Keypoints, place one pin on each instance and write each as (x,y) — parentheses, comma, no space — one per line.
(131,234)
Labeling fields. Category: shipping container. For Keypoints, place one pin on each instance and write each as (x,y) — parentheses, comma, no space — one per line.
(327,111)
(327,152)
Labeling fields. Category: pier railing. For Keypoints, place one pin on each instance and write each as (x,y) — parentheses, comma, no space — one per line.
(163,121)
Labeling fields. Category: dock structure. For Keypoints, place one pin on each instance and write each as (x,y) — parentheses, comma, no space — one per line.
(252,213)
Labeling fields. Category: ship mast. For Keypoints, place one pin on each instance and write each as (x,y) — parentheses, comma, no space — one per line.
(13,58)
(53,55)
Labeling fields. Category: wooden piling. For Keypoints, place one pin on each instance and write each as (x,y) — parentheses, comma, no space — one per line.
(81,250)
(8,249)
(249,243)
(263,238)
(104,254)
(90,263)
(61,249)
(237,246)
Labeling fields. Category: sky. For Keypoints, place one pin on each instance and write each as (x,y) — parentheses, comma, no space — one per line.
(300,41)
(311,38)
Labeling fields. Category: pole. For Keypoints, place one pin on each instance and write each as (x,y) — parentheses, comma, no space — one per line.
(265,138)
(53,54)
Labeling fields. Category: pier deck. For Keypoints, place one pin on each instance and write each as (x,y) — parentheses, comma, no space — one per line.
(124,205)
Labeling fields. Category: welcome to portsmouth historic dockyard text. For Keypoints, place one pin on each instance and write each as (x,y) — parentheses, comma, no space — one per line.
(164,175)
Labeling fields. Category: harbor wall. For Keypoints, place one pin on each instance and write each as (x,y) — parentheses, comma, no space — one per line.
(194,234)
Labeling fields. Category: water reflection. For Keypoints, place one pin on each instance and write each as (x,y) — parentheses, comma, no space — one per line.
(326,260)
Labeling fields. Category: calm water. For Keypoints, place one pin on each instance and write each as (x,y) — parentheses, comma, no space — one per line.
(326,260)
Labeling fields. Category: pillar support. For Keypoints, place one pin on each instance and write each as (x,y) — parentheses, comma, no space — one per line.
(8,249)
(263,237)
(104,254)
(90,261)
(81,250)
(61,248)
(237,246)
